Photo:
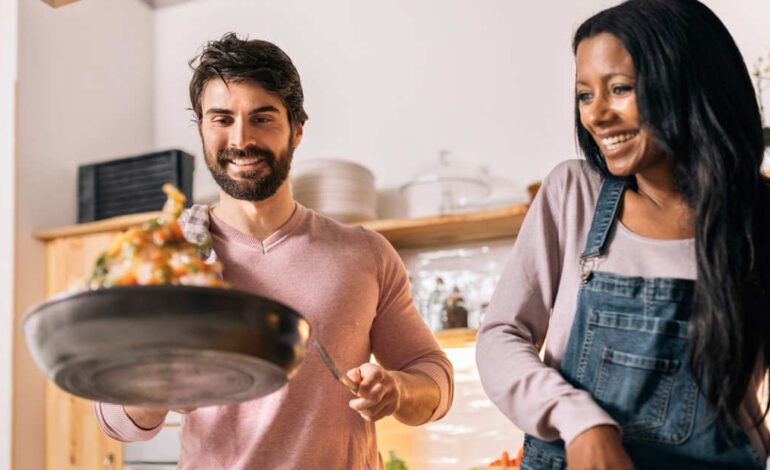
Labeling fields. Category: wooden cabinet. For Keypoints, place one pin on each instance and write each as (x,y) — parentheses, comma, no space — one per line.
(73,438)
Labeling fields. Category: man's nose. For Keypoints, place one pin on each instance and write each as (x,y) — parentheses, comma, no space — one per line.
(240,135)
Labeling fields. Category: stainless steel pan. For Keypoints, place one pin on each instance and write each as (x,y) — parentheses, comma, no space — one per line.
(166,345)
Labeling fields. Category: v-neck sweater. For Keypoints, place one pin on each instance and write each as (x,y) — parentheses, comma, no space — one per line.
(353,289)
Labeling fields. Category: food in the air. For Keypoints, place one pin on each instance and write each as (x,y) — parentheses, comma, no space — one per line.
(156,253)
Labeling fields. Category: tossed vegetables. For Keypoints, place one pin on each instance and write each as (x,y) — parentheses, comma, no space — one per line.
(156,253)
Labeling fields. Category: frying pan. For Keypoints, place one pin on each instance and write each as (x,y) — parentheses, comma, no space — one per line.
(166,345)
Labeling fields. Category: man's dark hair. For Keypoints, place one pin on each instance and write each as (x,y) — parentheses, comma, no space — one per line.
(237,60)
(696,98)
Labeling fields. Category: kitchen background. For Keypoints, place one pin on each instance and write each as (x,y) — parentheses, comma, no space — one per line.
(387,84)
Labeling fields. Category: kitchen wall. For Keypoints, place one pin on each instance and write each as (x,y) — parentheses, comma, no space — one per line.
(389,84)
(8,53)
(85,94)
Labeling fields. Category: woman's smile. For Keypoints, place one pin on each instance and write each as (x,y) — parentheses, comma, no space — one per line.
(617,144)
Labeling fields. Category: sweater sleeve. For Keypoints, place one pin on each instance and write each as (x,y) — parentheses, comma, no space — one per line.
(533,395)
(400,338)
(114,421)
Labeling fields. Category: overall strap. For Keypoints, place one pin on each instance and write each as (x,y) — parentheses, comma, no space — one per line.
(606,211)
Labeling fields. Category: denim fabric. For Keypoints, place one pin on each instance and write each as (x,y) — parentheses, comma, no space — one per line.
(629,348)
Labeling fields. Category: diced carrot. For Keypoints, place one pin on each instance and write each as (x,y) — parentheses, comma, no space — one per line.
(519,456)
(176,230)
(127,279)
(178,271)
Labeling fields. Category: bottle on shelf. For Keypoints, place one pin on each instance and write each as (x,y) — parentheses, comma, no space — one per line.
(454,314)
(435,305)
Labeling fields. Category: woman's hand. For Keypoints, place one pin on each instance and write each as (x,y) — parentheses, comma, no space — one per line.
(378,392)
(598,448)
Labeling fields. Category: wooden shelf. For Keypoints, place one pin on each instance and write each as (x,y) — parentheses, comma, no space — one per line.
(107,225)
(402,233)
(431,231)
(456,337)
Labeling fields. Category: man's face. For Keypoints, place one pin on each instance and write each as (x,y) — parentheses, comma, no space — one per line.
(247,140)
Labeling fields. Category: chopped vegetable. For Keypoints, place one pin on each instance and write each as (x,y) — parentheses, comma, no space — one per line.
(395,463)
(156,253)
(507,461)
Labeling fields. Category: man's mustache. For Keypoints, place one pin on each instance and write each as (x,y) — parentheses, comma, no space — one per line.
(229,154)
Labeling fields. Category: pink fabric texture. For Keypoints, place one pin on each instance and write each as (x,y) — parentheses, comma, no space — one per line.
(353,288)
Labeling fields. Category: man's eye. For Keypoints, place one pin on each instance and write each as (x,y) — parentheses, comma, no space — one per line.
(260,120)
(222,121)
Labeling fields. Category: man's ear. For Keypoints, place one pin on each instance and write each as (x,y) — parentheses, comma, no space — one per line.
(297,135)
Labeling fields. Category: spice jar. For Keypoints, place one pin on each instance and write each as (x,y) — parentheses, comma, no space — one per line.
(454,314)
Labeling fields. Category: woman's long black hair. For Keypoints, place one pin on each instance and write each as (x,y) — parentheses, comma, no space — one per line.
(696,98)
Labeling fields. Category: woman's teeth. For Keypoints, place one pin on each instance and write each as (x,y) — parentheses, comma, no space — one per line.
(615,141)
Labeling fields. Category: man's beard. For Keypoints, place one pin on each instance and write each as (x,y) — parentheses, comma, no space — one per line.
(250,186)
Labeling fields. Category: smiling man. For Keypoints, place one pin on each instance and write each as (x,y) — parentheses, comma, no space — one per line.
(347,281)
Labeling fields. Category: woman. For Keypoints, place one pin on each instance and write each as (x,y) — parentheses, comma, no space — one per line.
(647,264)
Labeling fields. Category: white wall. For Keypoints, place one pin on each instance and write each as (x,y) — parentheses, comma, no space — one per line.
(388,84)
(8,44)
(85,94)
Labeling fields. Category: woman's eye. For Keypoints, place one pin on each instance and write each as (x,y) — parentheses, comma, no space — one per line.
(620,89)
(583,96)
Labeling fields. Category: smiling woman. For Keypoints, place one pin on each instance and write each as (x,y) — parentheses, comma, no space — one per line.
(648,265)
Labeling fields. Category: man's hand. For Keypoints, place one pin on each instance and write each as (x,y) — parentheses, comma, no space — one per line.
(598,448)
(150,418)
(146,418)
(379,392)
(409,395)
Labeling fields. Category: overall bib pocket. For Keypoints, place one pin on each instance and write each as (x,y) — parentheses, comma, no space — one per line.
(649,391)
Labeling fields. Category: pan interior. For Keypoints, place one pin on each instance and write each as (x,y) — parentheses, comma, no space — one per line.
(171,378)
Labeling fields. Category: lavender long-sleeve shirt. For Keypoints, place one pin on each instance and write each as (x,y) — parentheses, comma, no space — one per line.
(352,287)
(537,295)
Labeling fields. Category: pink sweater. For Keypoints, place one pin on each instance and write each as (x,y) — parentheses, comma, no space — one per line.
(352,287)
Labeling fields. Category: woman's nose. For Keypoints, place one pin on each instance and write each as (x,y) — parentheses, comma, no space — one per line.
(598,112)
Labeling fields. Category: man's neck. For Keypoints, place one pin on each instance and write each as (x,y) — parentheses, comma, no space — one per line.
(258,219)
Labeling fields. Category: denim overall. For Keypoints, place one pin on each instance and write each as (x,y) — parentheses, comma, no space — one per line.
(628,348)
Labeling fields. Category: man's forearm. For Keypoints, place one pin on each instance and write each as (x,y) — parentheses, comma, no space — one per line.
(419,397)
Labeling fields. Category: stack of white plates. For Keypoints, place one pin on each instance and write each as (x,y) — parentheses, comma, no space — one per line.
(341,189)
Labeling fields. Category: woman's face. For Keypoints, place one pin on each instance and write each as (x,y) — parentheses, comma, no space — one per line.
(606,92)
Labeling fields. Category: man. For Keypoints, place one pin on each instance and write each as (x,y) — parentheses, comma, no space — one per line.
(347,281)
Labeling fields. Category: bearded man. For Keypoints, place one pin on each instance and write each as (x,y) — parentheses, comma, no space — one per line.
(347,281)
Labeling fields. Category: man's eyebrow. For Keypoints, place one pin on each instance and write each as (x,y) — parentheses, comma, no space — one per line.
(264,109)
(218,111)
